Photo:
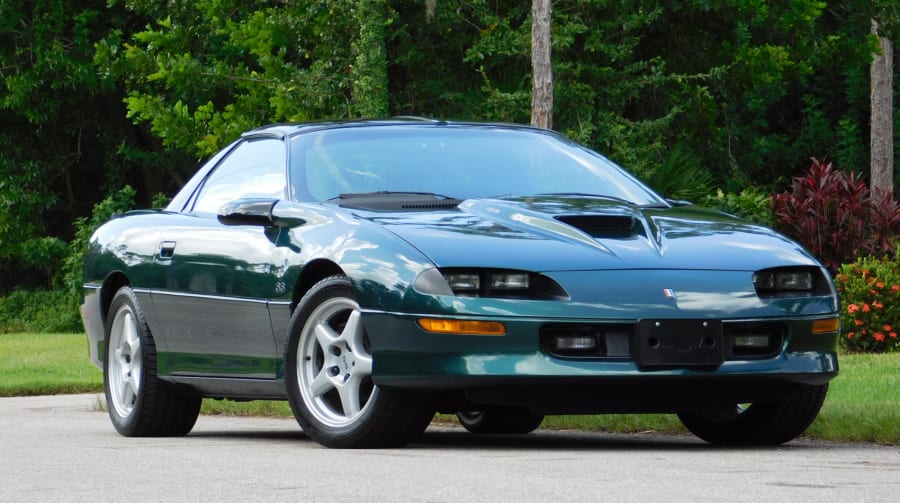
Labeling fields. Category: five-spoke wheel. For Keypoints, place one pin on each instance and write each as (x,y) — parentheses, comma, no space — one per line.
(329,376)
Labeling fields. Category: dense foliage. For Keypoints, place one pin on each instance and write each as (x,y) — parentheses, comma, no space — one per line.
(870,289)
(709,100)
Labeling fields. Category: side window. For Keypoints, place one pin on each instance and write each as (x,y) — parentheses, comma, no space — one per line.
(254,169)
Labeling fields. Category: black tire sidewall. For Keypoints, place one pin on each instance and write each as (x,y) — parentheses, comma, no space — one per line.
(125,299)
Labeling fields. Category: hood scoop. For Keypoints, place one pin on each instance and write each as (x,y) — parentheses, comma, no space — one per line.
(603,226)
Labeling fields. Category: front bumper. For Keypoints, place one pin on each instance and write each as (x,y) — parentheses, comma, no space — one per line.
(514,369)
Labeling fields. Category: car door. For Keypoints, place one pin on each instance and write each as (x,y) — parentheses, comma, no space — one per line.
(213,307)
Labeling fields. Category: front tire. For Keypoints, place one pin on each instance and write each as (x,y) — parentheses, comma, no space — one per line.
(139,403)
(766,423)
(329,376)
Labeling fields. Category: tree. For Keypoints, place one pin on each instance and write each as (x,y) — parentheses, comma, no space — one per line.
(369,71)
(882,122)
(542,69)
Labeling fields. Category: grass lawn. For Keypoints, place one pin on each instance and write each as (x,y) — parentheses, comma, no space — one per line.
(863,402)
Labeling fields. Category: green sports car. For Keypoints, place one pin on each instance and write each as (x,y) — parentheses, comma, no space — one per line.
(375,272)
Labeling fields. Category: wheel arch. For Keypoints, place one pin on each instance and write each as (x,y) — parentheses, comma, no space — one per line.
(312,273)
(113,282)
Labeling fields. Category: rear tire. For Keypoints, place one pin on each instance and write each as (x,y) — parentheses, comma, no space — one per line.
(328,364)
(766,423)
(139,403)
(501,420)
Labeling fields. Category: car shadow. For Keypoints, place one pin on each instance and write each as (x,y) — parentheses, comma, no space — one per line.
(457,438)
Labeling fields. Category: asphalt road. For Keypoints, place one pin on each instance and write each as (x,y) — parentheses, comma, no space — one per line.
(62,448)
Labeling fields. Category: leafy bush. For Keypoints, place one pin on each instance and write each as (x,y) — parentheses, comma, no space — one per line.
(38,311)
(835,216)
(73,268)
(751,204)
(56,310)
(870,316)
(680,176)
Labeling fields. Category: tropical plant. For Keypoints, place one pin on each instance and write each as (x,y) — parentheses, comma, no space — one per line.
(835,217)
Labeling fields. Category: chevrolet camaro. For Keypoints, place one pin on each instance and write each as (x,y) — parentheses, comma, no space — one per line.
(372,273)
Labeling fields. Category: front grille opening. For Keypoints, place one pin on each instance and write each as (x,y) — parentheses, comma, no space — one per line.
(754,340)
(603,226)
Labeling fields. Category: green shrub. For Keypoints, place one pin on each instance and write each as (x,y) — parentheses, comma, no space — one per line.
(38,311)
(870,313)
(750,204)
(680,176)
(73,267)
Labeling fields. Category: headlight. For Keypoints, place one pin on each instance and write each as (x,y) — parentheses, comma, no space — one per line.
(786,280)
(491,283)
(790,281)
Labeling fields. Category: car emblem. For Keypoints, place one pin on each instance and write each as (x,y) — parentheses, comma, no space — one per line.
(669,293)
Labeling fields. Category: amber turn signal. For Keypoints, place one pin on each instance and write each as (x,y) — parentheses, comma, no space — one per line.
(826,326)
(463,327)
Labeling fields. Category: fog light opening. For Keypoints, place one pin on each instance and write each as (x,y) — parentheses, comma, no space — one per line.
(575,343)
(751,341)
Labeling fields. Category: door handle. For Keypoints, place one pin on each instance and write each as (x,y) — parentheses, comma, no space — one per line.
(166,249)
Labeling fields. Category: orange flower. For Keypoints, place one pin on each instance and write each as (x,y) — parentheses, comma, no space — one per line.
(879,284)
(877,305)
(887,328)
(858,322)
(878,336)
(866,308)
(850,335)
(852,308)
(893,335)
(895,288)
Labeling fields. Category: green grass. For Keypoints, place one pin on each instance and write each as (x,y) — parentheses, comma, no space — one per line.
(45,364)
(863,402)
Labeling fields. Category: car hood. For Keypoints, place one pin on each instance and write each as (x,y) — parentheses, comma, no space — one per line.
(576,233)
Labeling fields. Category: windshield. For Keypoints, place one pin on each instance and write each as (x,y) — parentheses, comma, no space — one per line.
(456,161)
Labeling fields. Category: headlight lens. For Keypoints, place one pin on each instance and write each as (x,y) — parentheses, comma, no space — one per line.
(509,280)
(464,281)
(489,283)
(783,280)
(791,281)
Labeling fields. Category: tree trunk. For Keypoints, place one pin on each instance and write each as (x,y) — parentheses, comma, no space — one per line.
(542,71)
(882,124)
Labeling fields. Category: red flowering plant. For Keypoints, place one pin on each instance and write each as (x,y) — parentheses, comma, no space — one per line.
(836,217)
(870,304)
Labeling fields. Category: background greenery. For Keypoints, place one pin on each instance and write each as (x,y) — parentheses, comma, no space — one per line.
(718,101)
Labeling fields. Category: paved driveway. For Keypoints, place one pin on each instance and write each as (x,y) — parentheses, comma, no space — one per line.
(62,448)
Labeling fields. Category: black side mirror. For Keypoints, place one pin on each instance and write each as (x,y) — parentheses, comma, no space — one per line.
(248,212)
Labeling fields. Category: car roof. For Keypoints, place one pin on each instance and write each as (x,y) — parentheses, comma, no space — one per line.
(284,130)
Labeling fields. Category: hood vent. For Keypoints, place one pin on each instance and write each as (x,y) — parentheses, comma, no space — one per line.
(602,226)
(430,206)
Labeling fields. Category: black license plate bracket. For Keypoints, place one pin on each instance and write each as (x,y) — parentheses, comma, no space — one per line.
(678,344)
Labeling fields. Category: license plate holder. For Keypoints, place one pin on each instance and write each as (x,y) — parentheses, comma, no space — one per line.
(678,344)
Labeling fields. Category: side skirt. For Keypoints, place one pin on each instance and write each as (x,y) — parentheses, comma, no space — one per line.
(232,388)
